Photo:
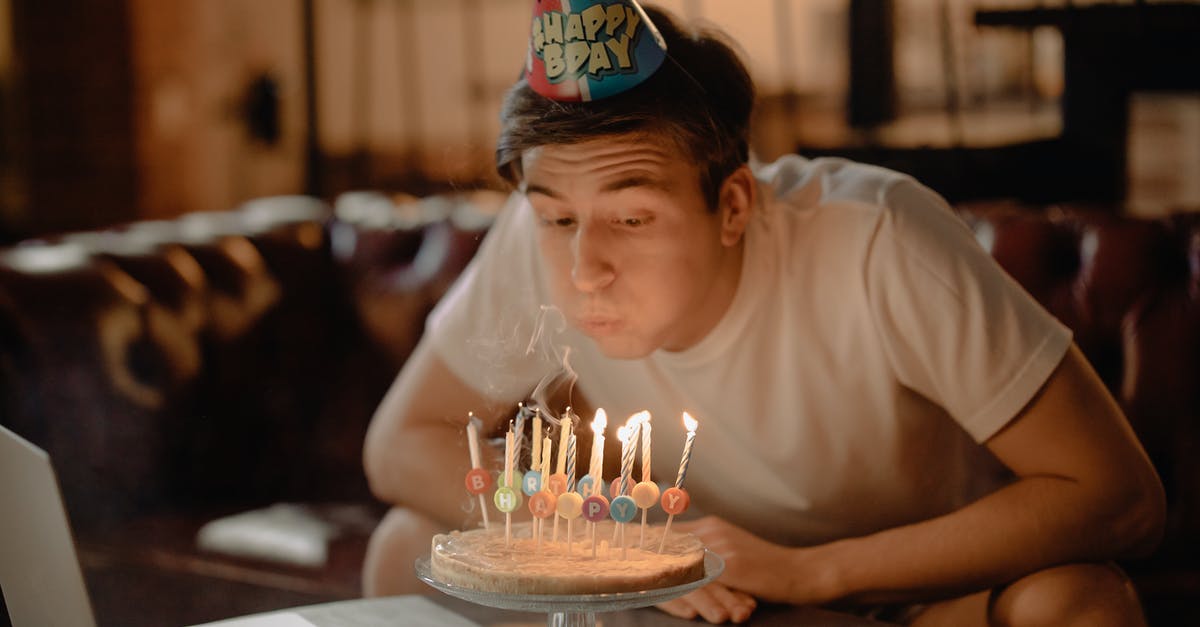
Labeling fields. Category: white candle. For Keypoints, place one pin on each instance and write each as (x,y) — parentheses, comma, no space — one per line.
(628,437)
(596,467)
(508,456)
(690,424)
(473,438)
(508,468)
(537,440)
(646,446)
(545,467)
(473,446)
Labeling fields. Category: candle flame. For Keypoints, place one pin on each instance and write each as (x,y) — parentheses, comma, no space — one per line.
(689,422)
(600,422)
(639,418)
(624,433)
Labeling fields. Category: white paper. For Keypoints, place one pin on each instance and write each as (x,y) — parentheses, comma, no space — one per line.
(277,619)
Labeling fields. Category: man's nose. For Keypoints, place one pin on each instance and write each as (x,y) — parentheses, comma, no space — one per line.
(593,268)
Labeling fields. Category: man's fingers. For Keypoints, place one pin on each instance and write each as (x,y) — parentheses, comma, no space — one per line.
(708,605)
(739,604)
(679,608)
(714,603)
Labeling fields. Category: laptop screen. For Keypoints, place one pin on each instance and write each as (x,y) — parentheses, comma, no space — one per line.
(40,576)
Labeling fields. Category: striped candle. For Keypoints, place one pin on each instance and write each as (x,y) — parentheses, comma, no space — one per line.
(571,463)
(691,424)
(519,428)
(626,435)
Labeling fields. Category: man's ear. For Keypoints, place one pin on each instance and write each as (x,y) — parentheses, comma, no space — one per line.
(735,203)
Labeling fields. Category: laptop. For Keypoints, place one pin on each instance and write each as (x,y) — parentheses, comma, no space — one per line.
(41,584)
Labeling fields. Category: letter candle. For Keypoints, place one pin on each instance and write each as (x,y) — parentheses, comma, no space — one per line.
(628,437)
(645,493)
(546,499)
(596,465)
(629,446)
(564,434)
(508,477)
(535,464)
(570,504)
(596,468)
(522,414)
(675,500)
(478,479)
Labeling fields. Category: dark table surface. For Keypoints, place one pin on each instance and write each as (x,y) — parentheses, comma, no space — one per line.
(445,611)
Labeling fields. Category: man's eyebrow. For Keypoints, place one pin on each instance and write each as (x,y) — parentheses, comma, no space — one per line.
(615,185)
(534,188)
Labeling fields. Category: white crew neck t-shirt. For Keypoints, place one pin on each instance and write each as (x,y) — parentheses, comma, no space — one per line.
(870,349)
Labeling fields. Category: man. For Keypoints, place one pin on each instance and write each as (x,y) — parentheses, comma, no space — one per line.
(887,420)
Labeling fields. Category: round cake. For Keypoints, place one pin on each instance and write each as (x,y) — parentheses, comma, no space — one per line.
(479,560)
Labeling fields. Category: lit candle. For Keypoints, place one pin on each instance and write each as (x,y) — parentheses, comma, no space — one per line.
(473,445)
(628,437)
(676,495)
(596,467)
(690,424)
(564,433)
(596,473)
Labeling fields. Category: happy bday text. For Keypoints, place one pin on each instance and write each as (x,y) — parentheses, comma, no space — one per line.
(567,41)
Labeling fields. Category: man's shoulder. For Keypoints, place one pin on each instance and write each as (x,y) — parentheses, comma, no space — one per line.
(825,180)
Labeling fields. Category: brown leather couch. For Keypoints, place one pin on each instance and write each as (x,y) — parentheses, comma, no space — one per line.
(1130,290)
(186,369)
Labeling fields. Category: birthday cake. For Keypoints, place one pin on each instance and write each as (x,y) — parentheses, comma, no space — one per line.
(481,559)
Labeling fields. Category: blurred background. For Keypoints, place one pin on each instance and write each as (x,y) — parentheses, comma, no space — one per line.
(121,109)
(223,222)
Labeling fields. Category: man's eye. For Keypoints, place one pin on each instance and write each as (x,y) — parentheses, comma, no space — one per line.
(635,222)
(563,222)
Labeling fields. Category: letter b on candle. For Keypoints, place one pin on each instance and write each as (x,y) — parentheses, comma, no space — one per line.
(478,481)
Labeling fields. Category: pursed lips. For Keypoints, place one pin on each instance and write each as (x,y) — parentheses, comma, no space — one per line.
(598,325)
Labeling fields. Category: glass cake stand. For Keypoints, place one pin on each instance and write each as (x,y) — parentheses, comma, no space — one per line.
(573,610)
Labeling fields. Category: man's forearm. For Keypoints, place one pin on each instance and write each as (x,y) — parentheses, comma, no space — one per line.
(425,472)
(1034,523)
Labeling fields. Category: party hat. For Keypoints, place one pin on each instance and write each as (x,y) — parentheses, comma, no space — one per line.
(581,50)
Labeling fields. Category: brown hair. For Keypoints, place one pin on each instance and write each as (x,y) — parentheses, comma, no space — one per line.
(700,98)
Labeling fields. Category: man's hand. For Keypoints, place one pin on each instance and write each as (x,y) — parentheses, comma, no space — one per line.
(715,603)
(754,568)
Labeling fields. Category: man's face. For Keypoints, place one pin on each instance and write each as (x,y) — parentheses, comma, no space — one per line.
(634,257)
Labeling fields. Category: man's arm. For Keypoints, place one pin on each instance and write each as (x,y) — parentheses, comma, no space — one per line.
(415,453)
(1085,491)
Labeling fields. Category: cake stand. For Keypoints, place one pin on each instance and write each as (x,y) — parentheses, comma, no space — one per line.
(573,610)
